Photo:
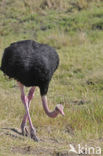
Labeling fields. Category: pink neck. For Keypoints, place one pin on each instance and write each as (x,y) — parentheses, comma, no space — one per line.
(52,114)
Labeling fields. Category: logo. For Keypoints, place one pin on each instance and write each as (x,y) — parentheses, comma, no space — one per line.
(85,149)
(72,149)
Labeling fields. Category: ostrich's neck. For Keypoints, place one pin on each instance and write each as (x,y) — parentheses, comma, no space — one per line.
(52,114)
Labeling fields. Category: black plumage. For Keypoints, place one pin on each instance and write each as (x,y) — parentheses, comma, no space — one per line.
(30,63)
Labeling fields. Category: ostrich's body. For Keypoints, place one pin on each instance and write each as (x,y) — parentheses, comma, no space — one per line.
(31,64)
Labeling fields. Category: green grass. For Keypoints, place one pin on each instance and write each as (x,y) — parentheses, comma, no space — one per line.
(75,30)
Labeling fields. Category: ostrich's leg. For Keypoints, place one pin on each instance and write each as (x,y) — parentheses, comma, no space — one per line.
(25,102)
(24,121)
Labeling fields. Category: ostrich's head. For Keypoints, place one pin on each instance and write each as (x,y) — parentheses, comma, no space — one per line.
(59,108)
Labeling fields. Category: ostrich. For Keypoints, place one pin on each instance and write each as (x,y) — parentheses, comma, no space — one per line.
(31,64)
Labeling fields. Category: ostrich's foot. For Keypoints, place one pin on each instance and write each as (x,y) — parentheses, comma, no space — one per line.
(25,131)
(33,134)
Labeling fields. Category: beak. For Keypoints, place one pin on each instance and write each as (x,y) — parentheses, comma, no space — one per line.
(62,112)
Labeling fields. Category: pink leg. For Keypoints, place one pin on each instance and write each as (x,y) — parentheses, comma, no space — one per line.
(23,124)
(25,102)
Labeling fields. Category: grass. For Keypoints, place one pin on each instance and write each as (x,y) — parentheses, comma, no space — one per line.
(75,29)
